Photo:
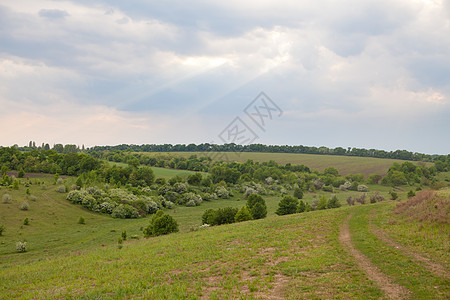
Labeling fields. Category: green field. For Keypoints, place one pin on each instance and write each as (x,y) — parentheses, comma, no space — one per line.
(292,257)
(161,172)
(345,164)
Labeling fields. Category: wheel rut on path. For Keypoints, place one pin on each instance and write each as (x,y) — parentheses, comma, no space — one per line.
(390,289)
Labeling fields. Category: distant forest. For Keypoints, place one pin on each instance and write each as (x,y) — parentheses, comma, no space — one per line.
(398,154)
(206,147)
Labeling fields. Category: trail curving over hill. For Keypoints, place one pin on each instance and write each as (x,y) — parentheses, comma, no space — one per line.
(390,289)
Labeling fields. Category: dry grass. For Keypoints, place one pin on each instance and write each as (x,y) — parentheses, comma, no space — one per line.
(426,206)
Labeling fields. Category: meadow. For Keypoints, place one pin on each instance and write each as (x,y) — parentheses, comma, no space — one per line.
(279,257)
(345,164)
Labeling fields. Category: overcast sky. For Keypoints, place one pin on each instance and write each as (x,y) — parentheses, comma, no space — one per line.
(371,74)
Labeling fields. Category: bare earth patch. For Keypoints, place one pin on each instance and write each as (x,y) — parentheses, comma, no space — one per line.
(390,289)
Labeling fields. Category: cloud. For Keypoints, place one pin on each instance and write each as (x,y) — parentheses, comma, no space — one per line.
(329,65)
(54,14)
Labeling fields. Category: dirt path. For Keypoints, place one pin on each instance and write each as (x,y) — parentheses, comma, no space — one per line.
(431,266)
(390,289)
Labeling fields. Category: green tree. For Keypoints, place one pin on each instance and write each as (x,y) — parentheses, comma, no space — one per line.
(332,171)
(333,202)
(287,206)
(301,207)
(243,214)
(161,224)
(194,179)
(257,206)
(322,204)
(374,179)
(298,193)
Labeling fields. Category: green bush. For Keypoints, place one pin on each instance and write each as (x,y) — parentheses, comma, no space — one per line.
(411,194)
(362,188)
(243,214)
(298,193)
(301,207)
(161,224)
(257,206)
(125,211)
(333,202)
(322,203)
(2,229)
(208,216)
(124,235)
(394,195)
(26,221)
(81,220)
(287,205)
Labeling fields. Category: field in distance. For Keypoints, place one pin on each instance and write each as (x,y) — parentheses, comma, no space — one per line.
(345,164)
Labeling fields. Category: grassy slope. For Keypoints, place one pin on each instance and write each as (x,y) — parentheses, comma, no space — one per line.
(298,256)
(345,164)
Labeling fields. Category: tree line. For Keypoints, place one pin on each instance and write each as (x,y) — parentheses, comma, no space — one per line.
(206,147)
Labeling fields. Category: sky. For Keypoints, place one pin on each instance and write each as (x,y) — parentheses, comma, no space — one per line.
(366,74)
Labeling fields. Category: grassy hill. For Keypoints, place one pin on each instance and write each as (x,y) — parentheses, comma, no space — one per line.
(298,256)
(345,164)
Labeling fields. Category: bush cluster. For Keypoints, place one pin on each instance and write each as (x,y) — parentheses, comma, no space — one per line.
(161,224)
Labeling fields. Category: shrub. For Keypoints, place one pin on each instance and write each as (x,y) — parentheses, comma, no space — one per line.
(120,240)
(26,221)
(361,199)
(161,224)
(243,214)
(208,216)
(287,205)
(192,199)
(180,187)
(81,220)
(411,194)
(350,201)
(328,188)
(6,198)
(301,207)
(225,215)
(16,184)
(124,235)
(257,206)
(125,211)
(394,195)
(362,188)
(222,192)
(298,193)
(61,189)
(333,202)
(322,203)
(27,191)
(33,198)
(21,247)
(43,187)
(353,186)
(24,206)
(2,229)
(249,191)
(374,179)
(376,198)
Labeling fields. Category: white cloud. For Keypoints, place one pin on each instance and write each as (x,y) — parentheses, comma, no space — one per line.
(334,61)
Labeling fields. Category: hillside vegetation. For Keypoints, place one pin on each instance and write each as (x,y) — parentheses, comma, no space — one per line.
(296,256)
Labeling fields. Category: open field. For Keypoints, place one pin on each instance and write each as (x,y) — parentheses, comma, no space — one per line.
(345,164)
(161,172)
(295,256)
